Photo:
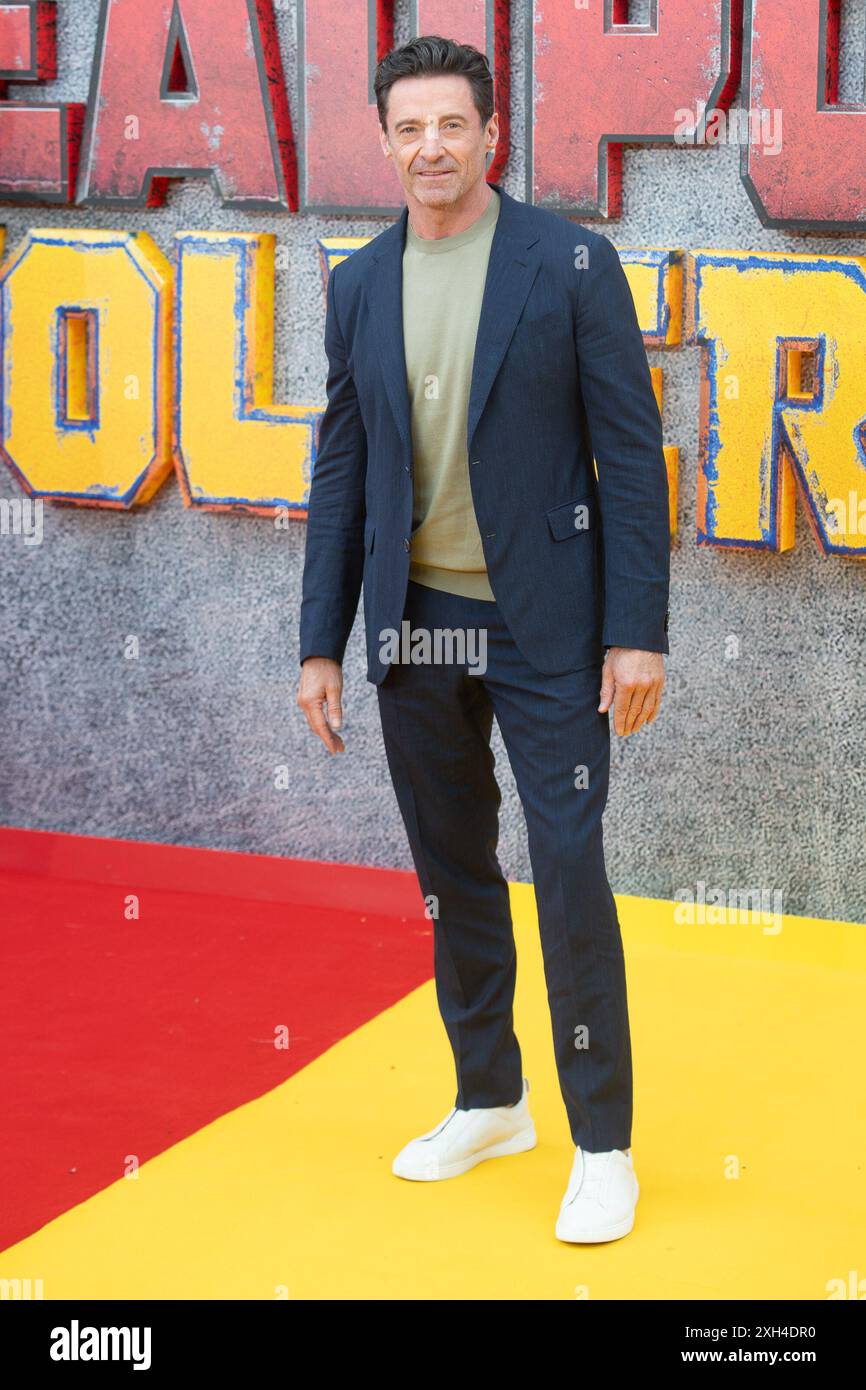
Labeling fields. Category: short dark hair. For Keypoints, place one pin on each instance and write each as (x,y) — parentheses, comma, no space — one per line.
(429,54)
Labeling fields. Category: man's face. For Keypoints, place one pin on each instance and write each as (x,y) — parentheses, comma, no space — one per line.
(436,138)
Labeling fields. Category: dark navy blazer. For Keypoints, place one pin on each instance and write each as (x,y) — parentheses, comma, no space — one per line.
(560,376)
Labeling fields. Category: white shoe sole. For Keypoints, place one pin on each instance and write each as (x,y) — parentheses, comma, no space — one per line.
(434,1172)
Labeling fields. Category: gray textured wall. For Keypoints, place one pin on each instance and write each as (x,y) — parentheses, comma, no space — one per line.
(752,775)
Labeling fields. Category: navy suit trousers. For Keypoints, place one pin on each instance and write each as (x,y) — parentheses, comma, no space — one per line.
(436,722)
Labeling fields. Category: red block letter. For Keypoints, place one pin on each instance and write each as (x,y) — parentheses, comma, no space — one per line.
(817,179)
(596,82)
(183,88)
(342,168)
(38,142)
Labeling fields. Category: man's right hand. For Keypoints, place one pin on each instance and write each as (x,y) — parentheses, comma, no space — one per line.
(322,683)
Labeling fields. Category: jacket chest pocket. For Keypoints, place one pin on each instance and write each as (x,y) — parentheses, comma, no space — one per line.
(542,326)
(542,344)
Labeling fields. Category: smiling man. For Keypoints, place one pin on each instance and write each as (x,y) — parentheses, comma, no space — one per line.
(482,353)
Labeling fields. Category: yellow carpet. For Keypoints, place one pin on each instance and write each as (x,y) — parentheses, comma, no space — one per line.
(748,1056)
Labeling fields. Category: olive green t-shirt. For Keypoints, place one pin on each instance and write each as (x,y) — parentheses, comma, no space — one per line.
(443,285)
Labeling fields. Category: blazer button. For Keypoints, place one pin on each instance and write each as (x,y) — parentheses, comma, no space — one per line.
(408,469)
(406,543)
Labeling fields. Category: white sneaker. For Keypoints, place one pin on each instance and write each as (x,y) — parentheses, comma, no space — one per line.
(467,1137)
(600,1199)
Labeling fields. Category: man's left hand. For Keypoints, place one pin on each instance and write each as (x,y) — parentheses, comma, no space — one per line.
(633,680)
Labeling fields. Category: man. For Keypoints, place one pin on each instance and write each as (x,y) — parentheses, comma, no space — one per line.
(480,353)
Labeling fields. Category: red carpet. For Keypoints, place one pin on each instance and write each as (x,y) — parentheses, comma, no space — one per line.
(158,1025)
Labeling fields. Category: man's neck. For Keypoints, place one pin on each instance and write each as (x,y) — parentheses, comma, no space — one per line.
(434,223)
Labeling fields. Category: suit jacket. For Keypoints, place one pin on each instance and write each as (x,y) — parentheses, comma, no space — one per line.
(560,375)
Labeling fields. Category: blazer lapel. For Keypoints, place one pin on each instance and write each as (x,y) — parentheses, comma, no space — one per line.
(511,269)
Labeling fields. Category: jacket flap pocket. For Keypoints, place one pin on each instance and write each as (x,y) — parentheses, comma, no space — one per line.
(572,518)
